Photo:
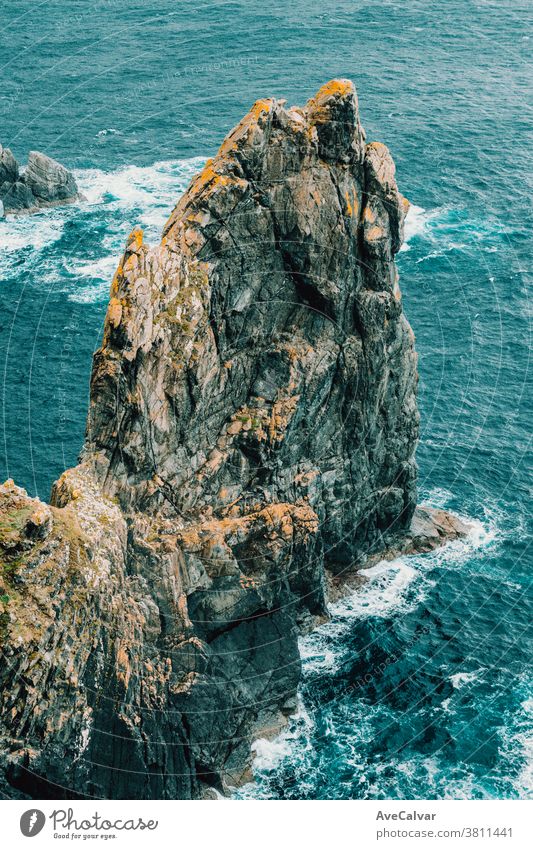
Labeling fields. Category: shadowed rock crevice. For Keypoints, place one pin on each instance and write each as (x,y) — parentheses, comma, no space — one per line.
(250,445)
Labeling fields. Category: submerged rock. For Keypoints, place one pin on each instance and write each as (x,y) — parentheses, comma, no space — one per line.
(44,182)
(250,440)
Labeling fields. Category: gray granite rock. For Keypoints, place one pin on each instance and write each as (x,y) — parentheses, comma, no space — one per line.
(9,170)
(48,180)
(17,196)
(44,182)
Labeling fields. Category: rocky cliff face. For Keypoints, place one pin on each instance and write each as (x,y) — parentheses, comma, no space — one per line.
(250,442)
(44,182)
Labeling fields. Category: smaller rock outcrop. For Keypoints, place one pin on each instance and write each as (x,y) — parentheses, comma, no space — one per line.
(44,182)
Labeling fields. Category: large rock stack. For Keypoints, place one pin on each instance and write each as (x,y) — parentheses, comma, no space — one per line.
(250,440)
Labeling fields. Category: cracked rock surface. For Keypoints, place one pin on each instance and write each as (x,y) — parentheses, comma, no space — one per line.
(250,440)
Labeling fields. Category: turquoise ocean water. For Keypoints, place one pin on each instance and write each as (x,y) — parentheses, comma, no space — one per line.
(421,684)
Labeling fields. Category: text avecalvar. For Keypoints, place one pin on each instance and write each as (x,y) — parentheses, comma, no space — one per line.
(405,815)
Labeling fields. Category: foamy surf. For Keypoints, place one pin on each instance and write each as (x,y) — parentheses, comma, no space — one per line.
(391,587)
(387,590)
(136,186)
(143,196)
(415,225)
(516,745)
(19,233)
(269,753)
(460,678)
(100,268)
(447,229)
(292,745)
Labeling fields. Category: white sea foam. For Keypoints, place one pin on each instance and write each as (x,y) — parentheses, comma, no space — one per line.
(524,742)
(18,233)
(415,224)
(100,272)
(442,250)
(145,196)
(91,294)
(135,186)
(437,225)
(293,744)
(391,587)
(318,657)
(104,267)
(323,650)
(461,678)
(458,680)
(385,591)
(117,199)
(480,534)
(269,753)
(436,497)
(517,745)
(448,229)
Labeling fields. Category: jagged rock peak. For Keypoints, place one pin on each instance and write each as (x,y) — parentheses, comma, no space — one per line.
(290,230)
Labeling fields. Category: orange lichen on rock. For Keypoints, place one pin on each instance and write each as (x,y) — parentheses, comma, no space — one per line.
(117,279)
(260,106)
(369,215)
(209,175)
(349,207)
(123,666)
(374,233)
(335,88)
(135,239)
(252,428)
(241,133)
(354,204)
(114,312)
(216,537)
(282,412)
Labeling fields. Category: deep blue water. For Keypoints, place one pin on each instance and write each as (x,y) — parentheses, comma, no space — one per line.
(421,685)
